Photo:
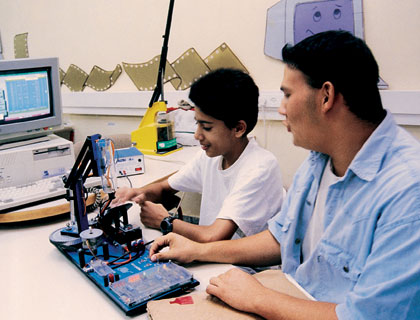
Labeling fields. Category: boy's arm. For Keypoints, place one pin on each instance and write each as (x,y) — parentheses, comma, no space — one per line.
(152,214)
(220,229)
(153,192)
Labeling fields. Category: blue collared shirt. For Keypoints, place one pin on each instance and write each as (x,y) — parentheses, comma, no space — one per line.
(368,259)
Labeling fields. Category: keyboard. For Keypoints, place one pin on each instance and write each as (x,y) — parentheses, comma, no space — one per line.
(44,190)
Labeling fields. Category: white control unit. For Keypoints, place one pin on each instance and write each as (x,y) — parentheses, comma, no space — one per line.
(34,162)
(129,161)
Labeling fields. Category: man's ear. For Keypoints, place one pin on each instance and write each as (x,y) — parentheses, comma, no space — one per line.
(327,96)
(240,128)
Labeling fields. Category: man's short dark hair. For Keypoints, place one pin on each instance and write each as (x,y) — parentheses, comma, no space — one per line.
(345,61)
(229,95)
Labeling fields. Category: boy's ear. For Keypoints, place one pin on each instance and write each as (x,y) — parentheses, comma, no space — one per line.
(240,128)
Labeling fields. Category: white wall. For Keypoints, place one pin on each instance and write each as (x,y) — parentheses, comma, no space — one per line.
(109,32)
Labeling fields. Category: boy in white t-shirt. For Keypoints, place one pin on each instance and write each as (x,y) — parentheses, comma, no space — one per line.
(240,182)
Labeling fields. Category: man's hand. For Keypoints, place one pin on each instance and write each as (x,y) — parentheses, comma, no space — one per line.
(152,214)
(244,292)
(181,249)
(234,287)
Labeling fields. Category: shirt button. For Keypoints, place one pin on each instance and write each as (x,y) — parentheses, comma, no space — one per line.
(346,269)
(297,241)
(308,202)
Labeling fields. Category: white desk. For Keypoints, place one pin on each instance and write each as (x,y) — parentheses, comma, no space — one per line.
(156,167)
(38,282)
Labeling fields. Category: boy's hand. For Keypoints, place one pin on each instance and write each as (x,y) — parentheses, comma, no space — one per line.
(181,249)
(152,214)
(122,195)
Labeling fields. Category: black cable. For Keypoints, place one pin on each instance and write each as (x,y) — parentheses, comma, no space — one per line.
(137,255)
(120,257)
(150,242)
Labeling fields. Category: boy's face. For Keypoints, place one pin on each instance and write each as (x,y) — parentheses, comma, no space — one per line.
(215,138)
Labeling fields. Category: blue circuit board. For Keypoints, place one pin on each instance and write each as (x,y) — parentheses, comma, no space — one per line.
(129,278)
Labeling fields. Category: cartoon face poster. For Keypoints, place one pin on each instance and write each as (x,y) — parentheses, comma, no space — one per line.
(290,21)
(314,17)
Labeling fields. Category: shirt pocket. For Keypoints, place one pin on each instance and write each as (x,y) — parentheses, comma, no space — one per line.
(342,263)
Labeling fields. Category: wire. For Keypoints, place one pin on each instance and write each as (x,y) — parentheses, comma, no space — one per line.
(99,255)
(113,263)
(147,243)
(120,257)
(163,160)
(180,200)
(98,198)
(138,255)
(131,258)
(124,262)
(105,205)
(108,179)
(178,212)
(125,176)
(90,249)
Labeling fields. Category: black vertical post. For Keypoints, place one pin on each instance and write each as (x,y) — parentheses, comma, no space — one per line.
(80,207)
(162,64)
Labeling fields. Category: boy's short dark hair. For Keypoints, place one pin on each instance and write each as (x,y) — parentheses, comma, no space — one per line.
(345,61)
(229,95)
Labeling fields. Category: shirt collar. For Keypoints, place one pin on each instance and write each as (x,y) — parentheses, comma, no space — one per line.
(368,160)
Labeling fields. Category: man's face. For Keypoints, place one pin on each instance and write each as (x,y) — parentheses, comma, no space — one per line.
(299,107)
(215,138)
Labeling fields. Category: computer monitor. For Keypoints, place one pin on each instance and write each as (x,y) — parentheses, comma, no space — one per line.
(30,100)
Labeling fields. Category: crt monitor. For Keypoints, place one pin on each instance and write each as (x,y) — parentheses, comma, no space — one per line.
(30,99)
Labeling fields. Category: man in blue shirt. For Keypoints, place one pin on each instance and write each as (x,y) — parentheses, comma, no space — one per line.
(349,232)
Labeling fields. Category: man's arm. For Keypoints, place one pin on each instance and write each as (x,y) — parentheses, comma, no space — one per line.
(260,249)
(234,288)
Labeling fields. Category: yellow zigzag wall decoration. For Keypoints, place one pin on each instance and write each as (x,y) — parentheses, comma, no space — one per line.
(181,73)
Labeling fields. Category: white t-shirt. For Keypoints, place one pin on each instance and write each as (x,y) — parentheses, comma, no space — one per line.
(316,224)
(249,192)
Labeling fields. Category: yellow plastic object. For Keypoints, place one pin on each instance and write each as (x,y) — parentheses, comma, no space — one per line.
(145,137)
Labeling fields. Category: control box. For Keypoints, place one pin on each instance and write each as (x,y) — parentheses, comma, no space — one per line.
(129,161)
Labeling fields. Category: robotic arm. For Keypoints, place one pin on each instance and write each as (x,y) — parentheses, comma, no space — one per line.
(97,157)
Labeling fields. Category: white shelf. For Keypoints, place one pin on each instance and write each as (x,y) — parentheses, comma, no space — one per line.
(405,105)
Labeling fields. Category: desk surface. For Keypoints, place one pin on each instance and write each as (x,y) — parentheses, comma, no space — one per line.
(38,282)
(156,167)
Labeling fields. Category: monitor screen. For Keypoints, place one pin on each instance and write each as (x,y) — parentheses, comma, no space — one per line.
(30,99)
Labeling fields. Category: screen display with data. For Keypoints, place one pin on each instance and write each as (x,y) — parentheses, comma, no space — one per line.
(24,96)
